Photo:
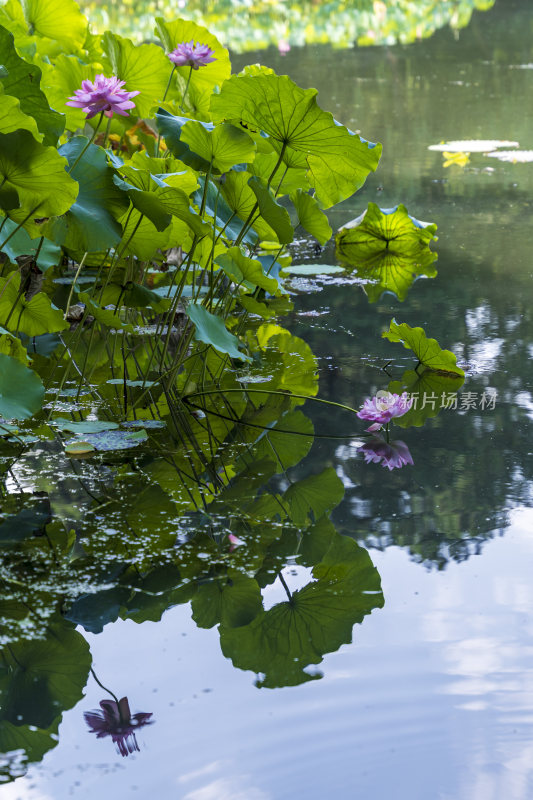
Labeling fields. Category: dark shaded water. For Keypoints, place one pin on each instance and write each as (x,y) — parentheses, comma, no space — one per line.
(434,697)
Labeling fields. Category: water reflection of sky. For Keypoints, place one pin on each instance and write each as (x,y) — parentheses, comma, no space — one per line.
(436,691)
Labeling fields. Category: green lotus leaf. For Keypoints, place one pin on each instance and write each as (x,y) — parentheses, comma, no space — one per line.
(212,330)
(23,81)
(431,392)
(253,306)
(310,217)
(104,316)
(13,119)
(90,224)
(143,67)
(428,351)
(9,198)
(337,160)
(145,241)
(390,229)
(21,390)
(241,199)
(246,270)
(233,600)
(47,677)
(24,744)
(60,20)
(313,496)
(30,520)
(134,296)
(217,208)
(203,80)
(224,146)
(287,182)
(281,642)
(84,426)
(274,215)
(12,346)
(171,128)
(288,360)
(20,244)
(60,81)
(388,272)
(157,201)
(37,174)
(33,317)
(114,440)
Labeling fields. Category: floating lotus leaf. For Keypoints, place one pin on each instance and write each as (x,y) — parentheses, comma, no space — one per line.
(337,161)
(233,600)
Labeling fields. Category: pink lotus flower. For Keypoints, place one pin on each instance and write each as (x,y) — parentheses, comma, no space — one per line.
(384,407)
(105,94)
(234,542)
(392,455)
(116,720)
(192,54)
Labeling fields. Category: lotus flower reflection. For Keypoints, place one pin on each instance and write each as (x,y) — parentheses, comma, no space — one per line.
(116,720)
(192,54)
(104,95)
(392,455)
(383,407)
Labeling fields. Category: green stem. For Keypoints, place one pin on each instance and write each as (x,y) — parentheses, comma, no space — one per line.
(90,141)
(162,101)
(76,276)
(283,394)
(101,685)
(186,90)
(106,134)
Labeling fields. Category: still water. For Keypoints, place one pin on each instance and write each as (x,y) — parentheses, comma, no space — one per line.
(433,698)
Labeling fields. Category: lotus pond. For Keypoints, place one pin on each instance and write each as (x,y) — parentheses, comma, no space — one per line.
(216,581)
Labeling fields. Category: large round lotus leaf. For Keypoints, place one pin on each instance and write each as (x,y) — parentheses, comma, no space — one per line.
(37,173)
(60,20)
(21,390)
(115,440)
(144,68)
(13,119)
(337,160)
(90,223)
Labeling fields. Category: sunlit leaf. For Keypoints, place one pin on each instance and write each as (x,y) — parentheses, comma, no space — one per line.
(33,317)
(272,212)
(23,81)
(377,230)
(224,146)
(143,67)
(428,351)
(246,270)
(337,160)
(37,174)
(61,20)
(20,244)
(310,217)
